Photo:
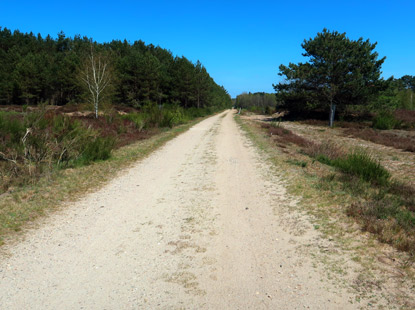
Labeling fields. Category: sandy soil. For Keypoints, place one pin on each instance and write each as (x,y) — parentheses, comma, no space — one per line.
(199,224)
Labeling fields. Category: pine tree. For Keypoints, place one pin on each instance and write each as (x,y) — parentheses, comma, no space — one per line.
(339,71)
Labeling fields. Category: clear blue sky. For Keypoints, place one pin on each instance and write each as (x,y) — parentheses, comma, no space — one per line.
(241,43)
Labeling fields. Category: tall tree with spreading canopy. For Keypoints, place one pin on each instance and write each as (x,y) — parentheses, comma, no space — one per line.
(339,71)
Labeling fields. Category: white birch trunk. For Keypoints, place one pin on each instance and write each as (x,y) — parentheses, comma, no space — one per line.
(96,77)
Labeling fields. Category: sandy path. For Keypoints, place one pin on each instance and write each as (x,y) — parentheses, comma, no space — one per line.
(197,225)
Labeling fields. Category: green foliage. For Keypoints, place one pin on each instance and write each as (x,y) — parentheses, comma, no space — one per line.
(174,117)
(356,163)
(361,164)
(257,102)
(139,120)
(408,82)
(389,213)
(398,94)
(324,159)
(98,149)
(339,71)
(268,110)
(35,70)
(299,163)
(34,143)
(11,129)
(165,116)
(385,120)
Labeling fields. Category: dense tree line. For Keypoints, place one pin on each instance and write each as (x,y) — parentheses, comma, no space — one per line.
(37,70)
(397,94)
(343,73)
(258,102)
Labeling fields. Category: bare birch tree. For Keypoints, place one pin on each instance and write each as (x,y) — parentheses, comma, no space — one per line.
(96,76)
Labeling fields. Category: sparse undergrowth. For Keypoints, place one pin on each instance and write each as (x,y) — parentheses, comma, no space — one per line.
(36,142)
(33,144)
(405,143)
(329,196)
(25,203)
(383,206)
(385,120)
(404,140)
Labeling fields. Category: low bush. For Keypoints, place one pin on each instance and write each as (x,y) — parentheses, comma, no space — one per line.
(34,143)
(338,124)
(361,164)
(324,152)
(299,163)
(383,206)
(385,120)
(406,143)
(139,120)
(286,136)
(98,149)
(406,118)
(174,116)
(154,116)
(11,129)
(357,163)
(268,110)
(388,218)
(255,109)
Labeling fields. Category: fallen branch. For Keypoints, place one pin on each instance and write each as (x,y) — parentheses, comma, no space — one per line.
(8,159)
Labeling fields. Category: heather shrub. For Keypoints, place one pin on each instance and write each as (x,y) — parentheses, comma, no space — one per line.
(363,165)
(385,120)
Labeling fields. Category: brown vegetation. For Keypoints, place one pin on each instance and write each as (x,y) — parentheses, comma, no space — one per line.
(383,206)
(123,129)
(341,124)
(406,143)
(311,148)
(406,116)
(35,141)
(391,221)
(285,136)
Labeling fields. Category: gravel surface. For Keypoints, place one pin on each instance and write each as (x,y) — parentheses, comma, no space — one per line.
(199,224)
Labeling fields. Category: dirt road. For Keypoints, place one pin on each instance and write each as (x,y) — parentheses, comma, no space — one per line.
(200,224)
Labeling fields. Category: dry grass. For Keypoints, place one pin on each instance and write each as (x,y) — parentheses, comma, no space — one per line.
(406,143)
(328,149)
(340,124)
(328,196)
(405,119)
(113,126)
(285,136)
(383,207)
(314,149)
(388,220)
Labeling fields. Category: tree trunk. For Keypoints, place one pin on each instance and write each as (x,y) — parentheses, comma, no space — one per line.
(96,108)
(332,113)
